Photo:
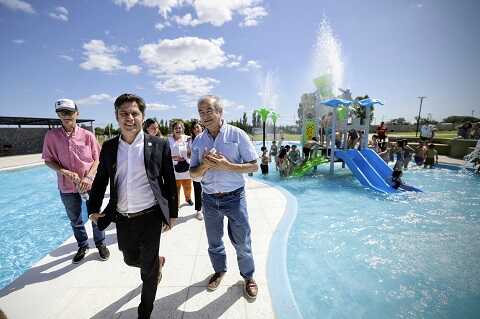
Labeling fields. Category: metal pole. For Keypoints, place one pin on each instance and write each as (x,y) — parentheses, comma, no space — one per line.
(333,140)
(419,112)
(364,141)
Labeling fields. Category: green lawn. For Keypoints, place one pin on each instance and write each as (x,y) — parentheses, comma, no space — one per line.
(438,134)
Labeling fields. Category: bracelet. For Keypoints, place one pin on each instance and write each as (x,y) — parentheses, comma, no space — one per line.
(89,178)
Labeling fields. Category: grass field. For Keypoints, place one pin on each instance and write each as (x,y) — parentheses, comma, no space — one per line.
(438,134)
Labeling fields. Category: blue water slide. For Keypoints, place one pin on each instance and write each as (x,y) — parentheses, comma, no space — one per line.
(364,171)
(378,163)
(383,169)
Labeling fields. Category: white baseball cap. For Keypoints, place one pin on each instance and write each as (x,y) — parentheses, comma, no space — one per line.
(65,104)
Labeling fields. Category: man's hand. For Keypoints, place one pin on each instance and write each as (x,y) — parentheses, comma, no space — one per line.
(85,184)
(217,161)
(94,217)
(167,227)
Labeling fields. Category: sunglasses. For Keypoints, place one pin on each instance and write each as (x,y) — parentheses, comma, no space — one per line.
(65,112)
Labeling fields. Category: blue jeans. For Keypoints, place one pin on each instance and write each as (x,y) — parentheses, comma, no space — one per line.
(234,207)
(73,206)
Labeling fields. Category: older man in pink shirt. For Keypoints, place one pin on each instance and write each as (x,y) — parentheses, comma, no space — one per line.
(73,153)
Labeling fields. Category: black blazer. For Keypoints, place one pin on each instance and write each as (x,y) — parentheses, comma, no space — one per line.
(160,174)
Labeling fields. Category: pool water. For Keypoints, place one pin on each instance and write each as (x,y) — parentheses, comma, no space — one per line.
(33,219)
(356,253)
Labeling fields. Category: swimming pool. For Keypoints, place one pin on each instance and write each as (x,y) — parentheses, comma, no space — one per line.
(33,219)
(355,253)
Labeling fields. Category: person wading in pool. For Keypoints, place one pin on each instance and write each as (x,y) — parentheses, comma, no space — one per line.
(220,157)
(143,194)
(73,152)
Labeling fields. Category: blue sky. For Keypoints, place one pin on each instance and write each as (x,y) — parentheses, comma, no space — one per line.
(171,51)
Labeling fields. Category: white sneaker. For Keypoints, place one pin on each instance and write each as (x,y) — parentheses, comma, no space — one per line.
(199,215)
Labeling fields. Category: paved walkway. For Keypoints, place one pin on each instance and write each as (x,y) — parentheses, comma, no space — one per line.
(8,162)
(55,288)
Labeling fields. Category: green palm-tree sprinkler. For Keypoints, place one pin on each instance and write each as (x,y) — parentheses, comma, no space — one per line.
(274,116)
(263,111)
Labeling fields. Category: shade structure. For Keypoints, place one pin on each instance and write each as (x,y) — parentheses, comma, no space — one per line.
(336,102)
(369,102)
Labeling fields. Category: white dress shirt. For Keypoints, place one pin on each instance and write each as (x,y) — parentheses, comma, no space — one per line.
(134,191)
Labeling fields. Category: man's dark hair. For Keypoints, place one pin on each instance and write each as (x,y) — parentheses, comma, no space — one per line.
(127,97)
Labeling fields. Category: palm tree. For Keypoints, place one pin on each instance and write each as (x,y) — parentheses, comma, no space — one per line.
(274,116)
(263,112)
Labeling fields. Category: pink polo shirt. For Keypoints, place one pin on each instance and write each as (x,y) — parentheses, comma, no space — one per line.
(76,153)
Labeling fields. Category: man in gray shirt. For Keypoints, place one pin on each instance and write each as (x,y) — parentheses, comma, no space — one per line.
(220,157)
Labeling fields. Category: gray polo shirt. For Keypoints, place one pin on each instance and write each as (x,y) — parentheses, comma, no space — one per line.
(235,145)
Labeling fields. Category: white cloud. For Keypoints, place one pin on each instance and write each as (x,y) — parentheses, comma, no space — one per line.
(164,6)
(100,56)
(183,55)
(60,13)
(251,65)
(229,104)
(186,84)
(18,5)
(66,57)
(252,16)
(186,20)
(419,5)
(61,10)
(162,25)
(159,107)
(133,69)
(95,99)
(18,41)
(215,12)
(219,12)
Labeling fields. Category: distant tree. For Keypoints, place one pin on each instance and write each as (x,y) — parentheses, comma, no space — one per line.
(99,131)
(399,121)
(254,119)
(110,131)
(424,120)
(244,119)
(359,111)
(460,119)
(247,128)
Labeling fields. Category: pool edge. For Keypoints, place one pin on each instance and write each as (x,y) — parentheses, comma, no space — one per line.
(283,301)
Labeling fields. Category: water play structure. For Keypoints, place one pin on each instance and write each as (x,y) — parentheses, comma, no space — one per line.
(471,158)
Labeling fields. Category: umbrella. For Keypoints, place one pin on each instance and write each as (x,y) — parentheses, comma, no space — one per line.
(336,102)
(369,102)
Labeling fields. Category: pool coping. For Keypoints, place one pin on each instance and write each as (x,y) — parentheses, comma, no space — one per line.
(283,300)
(77,284)
(21,166)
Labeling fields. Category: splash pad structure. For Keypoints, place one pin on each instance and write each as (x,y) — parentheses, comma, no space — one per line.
(327,116)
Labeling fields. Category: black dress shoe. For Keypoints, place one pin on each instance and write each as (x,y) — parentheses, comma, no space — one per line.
(82,251)
(103,252)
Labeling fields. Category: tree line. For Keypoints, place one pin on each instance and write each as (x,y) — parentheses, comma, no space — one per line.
(165,125)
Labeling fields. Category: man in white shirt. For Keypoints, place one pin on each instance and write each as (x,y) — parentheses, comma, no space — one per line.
(143,194)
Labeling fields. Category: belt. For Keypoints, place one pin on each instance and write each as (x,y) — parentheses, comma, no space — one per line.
(221,194)
(140,213)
